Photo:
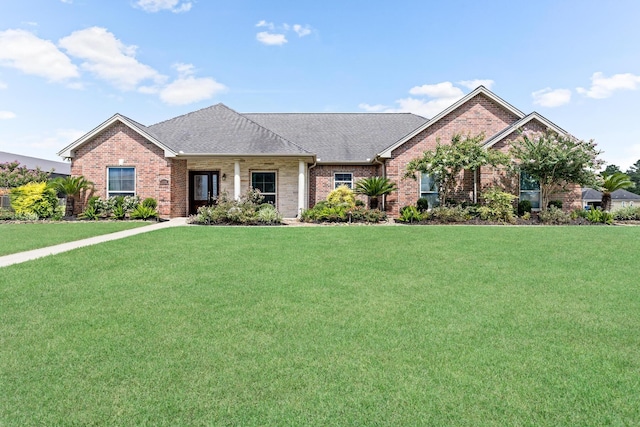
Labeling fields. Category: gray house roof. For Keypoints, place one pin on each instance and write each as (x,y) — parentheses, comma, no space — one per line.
(622,195)
(340,137)
(59,168)
(222,131)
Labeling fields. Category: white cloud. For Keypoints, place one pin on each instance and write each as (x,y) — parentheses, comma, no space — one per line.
(175,6)
(59,138)
(439,90)
(277,34)
(548,97)
(301,31)
(603,87)
(67,1)
(6,115)
(3,85)
(271,39)
(472,84)
(187,89)
(442,96)
(266,24)
(372,108)
(108,58)
(32,55)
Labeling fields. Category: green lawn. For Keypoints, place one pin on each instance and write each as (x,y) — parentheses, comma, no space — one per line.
(16,238)
(324,326)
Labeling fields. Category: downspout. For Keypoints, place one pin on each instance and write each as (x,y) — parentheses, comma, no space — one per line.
(475,185)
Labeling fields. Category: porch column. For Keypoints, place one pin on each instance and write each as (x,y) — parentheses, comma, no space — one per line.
(302,187)
(236,179)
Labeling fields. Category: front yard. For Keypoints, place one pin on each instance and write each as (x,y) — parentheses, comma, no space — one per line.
(327,326)
(24,237)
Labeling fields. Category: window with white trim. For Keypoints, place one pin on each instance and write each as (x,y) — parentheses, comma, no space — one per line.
(343,178)
(121,181)
(530,190)
(267,184)
(429,189)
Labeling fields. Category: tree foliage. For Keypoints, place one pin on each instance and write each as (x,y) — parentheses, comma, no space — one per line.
(13,175)
(447,161)
(556,162)
(634,175)
(611,183)
(73,187)
(374,188)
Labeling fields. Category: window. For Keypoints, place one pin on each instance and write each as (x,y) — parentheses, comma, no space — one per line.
(121,182)
(530,190)
(429,189)
(342,178)
(266,183)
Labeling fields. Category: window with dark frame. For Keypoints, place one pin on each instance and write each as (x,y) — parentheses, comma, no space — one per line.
(343,178)
(121,181)
(266,183)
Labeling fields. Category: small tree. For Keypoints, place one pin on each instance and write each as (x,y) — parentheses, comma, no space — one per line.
(611,183)
(12,175)
(447,161)
(634,175)
(374,188)
(556,162)
(73,187)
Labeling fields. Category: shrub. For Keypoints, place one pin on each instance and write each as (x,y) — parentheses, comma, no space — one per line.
(599,216)
(628,213)
(524,206)
(409,214)
(342,196)
(578,213)
(422,204)
(556,203)
(247,210)
(554,215)
(90,213)
(450,214)
(498,206)
(267,214)
(36,198)
(360,203)
(150,202)
(144,212)
(360,214)
(6,214)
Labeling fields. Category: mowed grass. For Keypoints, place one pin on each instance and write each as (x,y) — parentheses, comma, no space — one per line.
(16,238)
(324,326)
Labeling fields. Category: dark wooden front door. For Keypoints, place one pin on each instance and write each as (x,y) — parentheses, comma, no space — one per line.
(203,189)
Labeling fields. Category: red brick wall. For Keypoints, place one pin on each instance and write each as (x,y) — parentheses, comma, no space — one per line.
(321,178)
(153,170)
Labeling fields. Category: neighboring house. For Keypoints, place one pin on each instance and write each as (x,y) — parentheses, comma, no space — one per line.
(294,159)
(59,169)
(619,199)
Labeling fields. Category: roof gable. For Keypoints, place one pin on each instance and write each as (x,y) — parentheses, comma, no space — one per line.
(219,130)
(520,124)
(480,90)
(68,151)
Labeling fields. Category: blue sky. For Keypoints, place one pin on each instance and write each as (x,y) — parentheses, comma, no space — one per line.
(68,65)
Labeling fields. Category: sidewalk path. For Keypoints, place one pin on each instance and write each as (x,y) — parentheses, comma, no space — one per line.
(63,247)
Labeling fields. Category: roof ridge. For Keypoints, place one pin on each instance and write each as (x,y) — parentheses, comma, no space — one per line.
(219,104)
(270,131)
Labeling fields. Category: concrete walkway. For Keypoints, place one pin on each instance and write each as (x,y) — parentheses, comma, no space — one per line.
(64,247)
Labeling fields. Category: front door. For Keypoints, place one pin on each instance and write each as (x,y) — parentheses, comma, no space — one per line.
(203,189)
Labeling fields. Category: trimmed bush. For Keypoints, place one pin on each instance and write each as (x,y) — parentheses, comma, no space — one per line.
(628,213)
(498,206)
(422,204)
(247,210)
(554,216)
(36,198)
(524,206)
(342,196)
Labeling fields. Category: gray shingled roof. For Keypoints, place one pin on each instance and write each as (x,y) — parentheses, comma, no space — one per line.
(59,168)
(340,137)
(591,194)
(220,130)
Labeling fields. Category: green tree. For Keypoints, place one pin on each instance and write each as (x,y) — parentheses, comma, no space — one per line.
(73,187)
(634,175)
(556,162)
(447,161)
(374,188)
(611,169)
(12,175)
(611,183)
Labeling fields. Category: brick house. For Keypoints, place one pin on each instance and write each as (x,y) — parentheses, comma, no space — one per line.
(295,159)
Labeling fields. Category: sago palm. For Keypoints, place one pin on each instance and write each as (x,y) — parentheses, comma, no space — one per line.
(611,183)
(374,188)
(72,187)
